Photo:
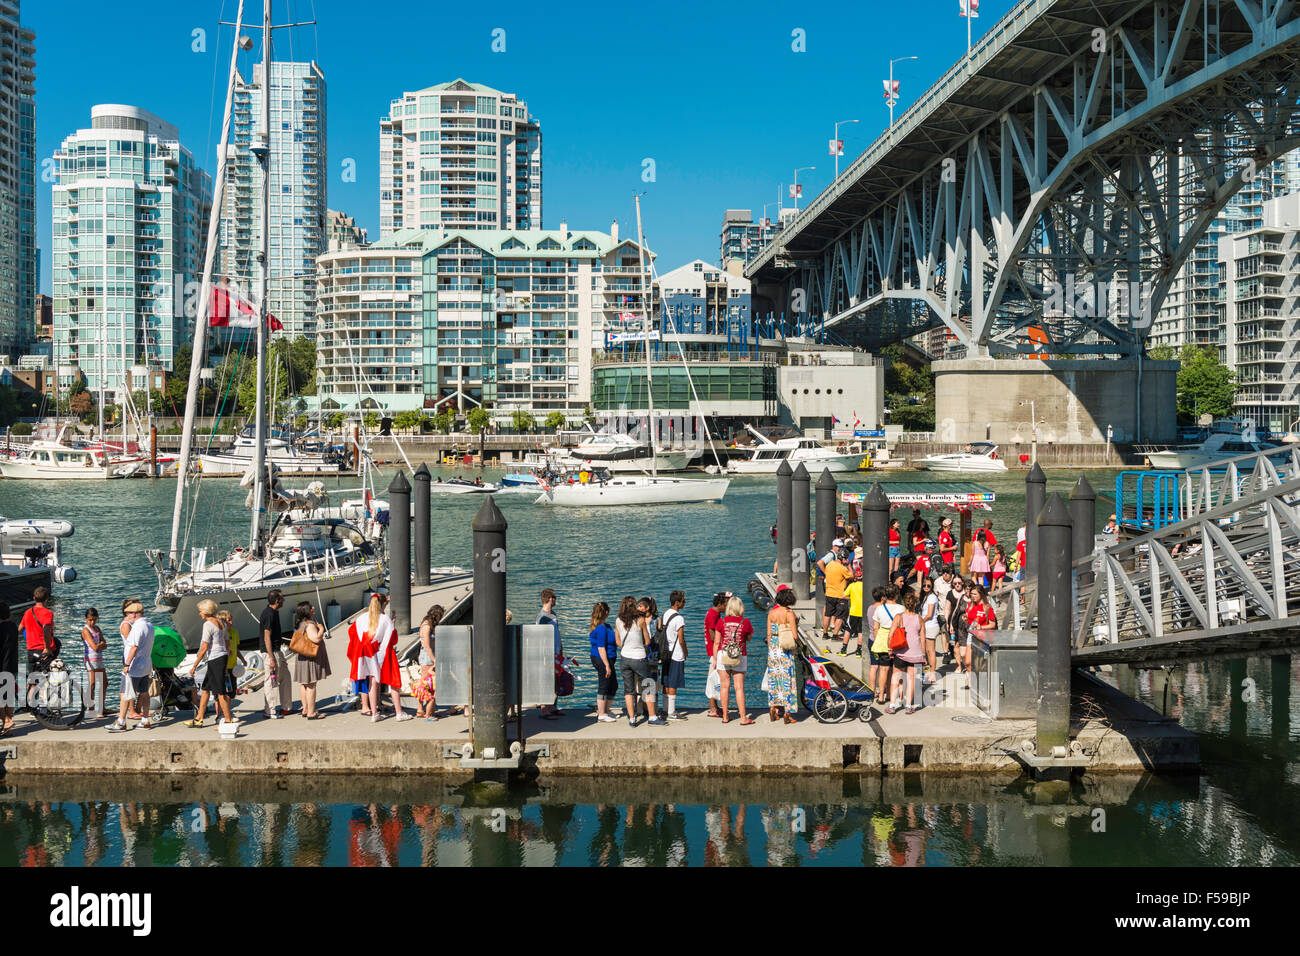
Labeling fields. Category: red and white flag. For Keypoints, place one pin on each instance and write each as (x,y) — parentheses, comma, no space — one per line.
(891,89)
(796,191)
(969,8)
(229,309)
(837,147)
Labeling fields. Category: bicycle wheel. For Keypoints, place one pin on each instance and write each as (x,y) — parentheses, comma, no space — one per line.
(56,701)
(830,706)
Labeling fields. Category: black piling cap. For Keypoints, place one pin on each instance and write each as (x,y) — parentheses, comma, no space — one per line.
(422,473)
(801,473)
(489,517)
(399,486)
(1083,490)
(1036,475)
(783,470)
(826,482)
(1055,513)
(876,499)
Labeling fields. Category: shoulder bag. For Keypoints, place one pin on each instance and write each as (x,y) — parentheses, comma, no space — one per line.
(730,655)
(787,636)
(303,646)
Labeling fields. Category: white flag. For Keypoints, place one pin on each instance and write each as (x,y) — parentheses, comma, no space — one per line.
(891,88)
(796,191)
(837,147)
(969,8)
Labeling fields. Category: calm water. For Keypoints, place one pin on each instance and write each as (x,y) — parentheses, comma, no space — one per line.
(1240,810)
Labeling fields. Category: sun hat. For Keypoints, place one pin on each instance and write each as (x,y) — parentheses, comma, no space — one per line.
(135,607)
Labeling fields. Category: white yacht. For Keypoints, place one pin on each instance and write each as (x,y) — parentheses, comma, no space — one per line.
(56,461)
(766,457)
(633,490)
(1228,438)
(979,456)
(622,454)
(31,557)
(235,460)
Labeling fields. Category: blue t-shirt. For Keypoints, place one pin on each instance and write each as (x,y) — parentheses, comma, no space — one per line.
(548,617)
(603,636)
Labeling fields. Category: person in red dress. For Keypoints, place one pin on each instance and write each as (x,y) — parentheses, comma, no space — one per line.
(895,545)
(947,543)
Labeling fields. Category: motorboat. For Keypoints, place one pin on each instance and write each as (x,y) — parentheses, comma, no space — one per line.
(1228,438)
(632,490)
(621,453)
(31,557)
(57,461)
(979,456)
(280,449)
(461,486)
(766,457)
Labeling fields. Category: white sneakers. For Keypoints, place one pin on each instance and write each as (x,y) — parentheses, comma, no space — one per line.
(607,719)
(405,716)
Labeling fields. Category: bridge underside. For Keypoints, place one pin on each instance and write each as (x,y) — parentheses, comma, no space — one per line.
(1047,203)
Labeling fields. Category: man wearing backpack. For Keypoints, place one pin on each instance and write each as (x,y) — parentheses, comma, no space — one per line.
(672,652)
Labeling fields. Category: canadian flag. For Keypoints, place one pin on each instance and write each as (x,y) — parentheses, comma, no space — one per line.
(229,309)
(969,8)
(891,89)
(627,316)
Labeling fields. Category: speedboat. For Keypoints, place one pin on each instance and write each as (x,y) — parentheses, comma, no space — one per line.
(1222,441)
(30,557)
(622,453)
(766,457)
(235,460)
(56,461)
(980,456)
(459,486)
(633,490)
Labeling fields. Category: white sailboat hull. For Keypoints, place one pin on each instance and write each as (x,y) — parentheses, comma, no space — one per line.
(637,491)
(236,466)
(32,471)
(962,463)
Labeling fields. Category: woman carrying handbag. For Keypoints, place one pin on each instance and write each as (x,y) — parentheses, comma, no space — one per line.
(313,663)
(782,631)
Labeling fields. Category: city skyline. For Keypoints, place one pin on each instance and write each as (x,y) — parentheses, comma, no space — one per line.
(704,158)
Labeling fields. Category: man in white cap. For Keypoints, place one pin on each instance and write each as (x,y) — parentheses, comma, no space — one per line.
(137,666)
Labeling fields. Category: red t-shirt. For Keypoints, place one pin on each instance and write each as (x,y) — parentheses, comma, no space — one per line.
(945,546)
(894,537)
(710,625)
(736,628)
(991,538)
(922,565)
(33,624)
(980,615)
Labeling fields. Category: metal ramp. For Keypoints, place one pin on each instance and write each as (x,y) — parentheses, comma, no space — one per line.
(1224,582)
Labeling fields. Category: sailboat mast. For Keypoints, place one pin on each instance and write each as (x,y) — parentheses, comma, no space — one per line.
(263,149)
(645,330)
(205,296)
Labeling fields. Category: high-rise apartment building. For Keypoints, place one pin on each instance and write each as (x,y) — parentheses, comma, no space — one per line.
(459,156)
(742,239)
(298,191)
(509,319)
(17,180)
(342,232)
(130,214)
(1259,313)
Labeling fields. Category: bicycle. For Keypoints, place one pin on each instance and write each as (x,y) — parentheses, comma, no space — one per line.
(54,698)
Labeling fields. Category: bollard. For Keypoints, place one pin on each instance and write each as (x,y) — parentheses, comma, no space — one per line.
(399,553)
(799,506)
(1055,605)
(873,519)
(825,524)
(488,644)
(784,541)
(1035,500)
(1083,518)
(421,530)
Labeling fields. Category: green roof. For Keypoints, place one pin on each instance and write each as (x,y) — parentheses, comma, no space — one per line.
(493,241)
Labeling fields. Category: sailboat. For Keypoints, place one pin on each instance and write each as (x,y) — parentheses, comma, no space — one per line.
(321,558)
(636,489)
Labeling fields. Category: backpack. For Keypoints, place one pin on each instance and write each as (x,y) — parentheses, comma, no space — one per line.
(665,651)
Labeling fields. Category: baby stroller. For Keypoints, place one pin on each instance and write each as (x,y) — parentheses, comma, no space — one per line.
(833,693)
(168,690)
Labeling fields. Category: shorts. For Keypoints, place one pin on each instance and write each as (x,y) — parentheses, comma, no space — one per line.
(855,625)
(93,662)
(214,681)
(425,659)
(894,550)
(738,669)
(675,675)
(899,664)
(634,671)
(606,687)
(134,686)
(361,686)
(837,607)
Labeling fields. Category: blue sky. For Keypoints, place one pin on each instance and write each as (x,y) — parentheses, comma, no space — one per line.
(713,93)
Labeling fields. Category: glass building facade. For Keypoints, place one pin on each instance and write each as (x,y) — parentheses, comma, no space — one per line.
(298,200)
(459,156)
(130,214)
(18,256)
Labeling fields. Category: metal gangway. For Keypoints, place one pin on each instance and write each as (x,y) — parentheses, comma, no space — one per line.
(1223,582)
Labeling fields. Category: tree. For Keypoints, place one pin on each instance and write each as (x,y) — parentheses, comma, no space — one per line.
(82,404)
(556,420)
(407,421)
(334,421)
(523,421)
(909,391)
(480,420)
(1205,386)
(588,415)
(371,421)
(444,420)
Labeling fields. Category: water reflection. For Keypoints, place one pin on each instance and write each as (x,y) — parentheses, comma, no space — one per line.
(891,821)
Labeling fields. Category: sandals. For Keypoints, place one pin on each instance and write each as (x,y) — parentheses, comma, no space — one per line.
(194,723)
(315,717)
(789,719)
(746,721)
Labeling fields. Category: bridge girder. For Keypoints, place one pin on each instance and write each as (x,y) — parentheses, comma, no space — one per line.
(1100,179)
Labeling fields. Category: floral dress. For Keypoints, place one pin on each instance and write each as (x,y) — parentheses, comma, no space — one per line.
(780,673)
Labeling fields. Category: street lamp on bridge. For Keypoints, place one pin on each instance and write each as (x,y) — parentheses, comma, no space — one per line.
(837,145)
(795,189)
(891,86)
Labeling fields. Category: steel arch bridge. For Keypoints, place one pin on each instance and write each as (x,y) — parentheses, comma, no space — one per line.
(1054,180)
